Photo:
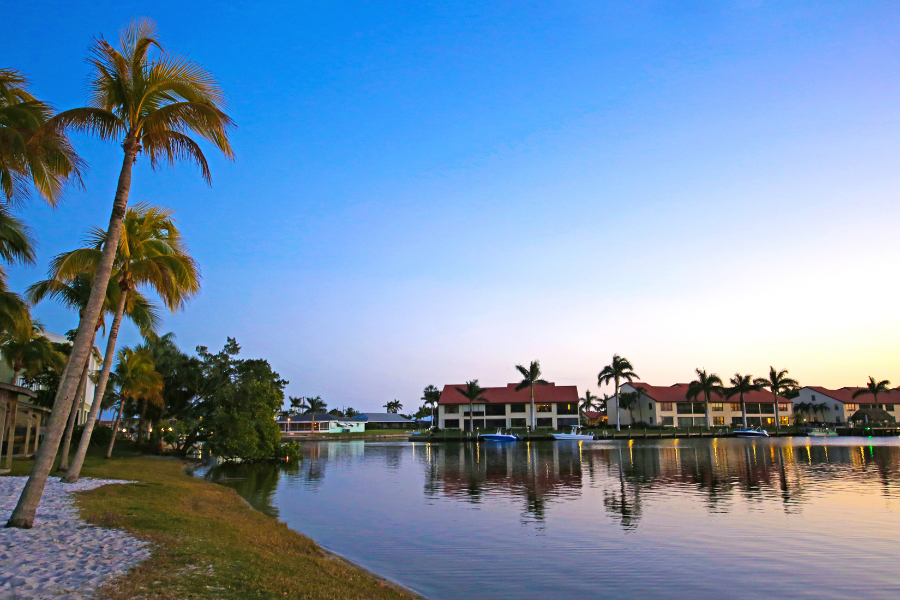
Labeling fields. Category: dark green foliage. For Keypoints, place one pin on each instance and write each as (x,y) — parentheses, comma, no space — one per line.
(100,436)
(47,381)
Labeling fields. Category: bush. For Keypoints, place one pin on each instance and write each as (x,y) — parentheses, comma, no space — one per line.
(100,436)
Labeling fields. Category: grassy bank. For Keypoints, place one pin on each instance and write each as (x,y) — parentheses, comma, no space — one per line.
(208,542)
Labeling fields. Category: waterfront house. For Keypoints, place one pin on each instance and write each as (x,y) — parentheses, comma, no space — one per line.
(383,421)
(669,406)
(556,406)
(838,406)
(294,424)
(594,418)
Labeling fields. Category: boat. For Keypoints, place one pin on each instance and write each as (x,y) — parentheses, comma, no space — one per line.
(573,435)
(751,433)
(498,437)
(822,432)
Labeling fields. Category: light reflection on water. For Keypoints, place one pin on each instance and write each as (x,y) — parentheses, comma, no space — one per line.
(729,518)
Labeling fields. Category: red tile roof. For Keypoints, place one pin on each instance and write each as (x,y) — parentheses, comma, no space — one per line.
(845,395)
(678,393)
(543,394)
(591,414)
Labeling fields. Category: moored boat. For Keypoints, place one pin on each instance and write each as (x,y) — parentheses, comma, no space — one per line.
(573,435)
(822,432)
(498,437)
(751,433)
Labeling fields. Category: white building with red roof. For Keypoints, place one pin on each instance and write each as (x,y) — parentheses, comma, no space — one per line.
(840,404)
(556,406)
(669,406)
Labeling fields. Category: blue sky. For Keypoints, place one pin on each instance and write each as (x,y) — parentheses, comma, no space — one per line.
(425,194)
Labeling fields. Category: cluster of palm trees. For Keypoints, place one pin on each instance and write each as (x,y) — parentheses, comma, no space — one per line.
(154,104)
(705,387)
(531,376)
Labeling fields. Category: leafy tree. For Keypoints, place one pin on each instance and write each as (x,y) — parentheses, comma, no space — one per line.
(873,387)
(473,393)
(149,100)
(779,384)
(431,396)
(393,406)
(705,385)
(618,370)
(744,384)
(530,378)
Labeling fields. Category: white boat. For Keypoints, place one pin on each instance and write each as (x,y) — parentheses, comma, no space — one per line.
(751,433)
(498,437)
(822,432)
(573,435)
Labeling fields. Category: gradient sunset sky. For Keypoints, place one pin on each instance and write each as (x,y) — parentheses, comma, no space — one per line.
(425,194)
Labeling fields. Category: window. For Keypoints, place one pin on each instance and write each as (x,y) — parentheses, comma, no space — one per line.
(699,421)
(753,421)
(665,406)
(852,406)
(517,408)
(735,407)
(716,407)
(518,422)
(699,408)
(889,407)
(839,419)
(495,422)
(566,408)
(768,420)
(451,410)
(685,421)
(767,409)
(685,408)
(784,407)
(477,410)
(753,409)
(544,408)
(837,407)
(667,421)
(737,421)
(451,423)
(567,422)
(785,420)
(495,410)
(650,406)
(813,397)
(545,422)
(651,420)
(477,423)
(718,420)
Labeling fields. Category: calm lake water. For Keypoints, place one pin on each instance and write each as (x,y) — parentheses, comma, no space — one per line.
(730,518)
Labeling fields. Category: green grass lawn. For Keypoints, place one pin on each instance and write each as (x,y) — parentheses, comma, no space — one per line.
(208,543)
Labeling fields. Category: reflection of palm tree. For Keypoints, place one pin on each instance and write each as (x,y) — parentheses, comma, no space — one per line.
(617,371)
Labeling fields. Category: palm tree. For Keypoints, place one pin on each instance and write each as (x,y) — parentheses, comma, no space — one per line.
(30,353)
(627,400)
(431,396)
(874,388)
(151,253)
(74,294)
(803,407)
(150,100)
(393,406)
(617,371)
(473,393)
(530,378)
(740,385)
(707,384)
(16,246)
(137,379)
(34,153)
(778,383)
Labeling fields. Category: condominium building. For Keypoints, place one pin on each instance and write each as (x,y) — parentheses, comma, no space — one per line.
(669,406)
(837,406)
(556,406)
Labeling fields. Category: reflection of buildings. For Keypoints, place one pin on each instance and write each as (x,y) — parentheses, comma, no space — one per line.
(723,470)
(537,472)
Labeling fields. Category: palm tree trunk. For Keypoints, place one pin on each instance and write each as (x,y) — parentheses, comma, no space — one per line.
(777,415)
(141,421)
(533,409)
(708,423)
(112,441)
(471,418)
(23,515)
(744,410)
(73,415)
(75,471)
(618,425)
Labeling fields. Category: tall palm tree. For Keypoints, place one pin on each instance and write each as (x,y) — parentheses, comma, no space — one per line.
(530,378)
(151,101)
(740,385)
(393,406)
(34,153)
(473,393)
(706,384)
(137,379)
(151,254)
(431,396)
(778,383)
(873,387)
(618,370)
